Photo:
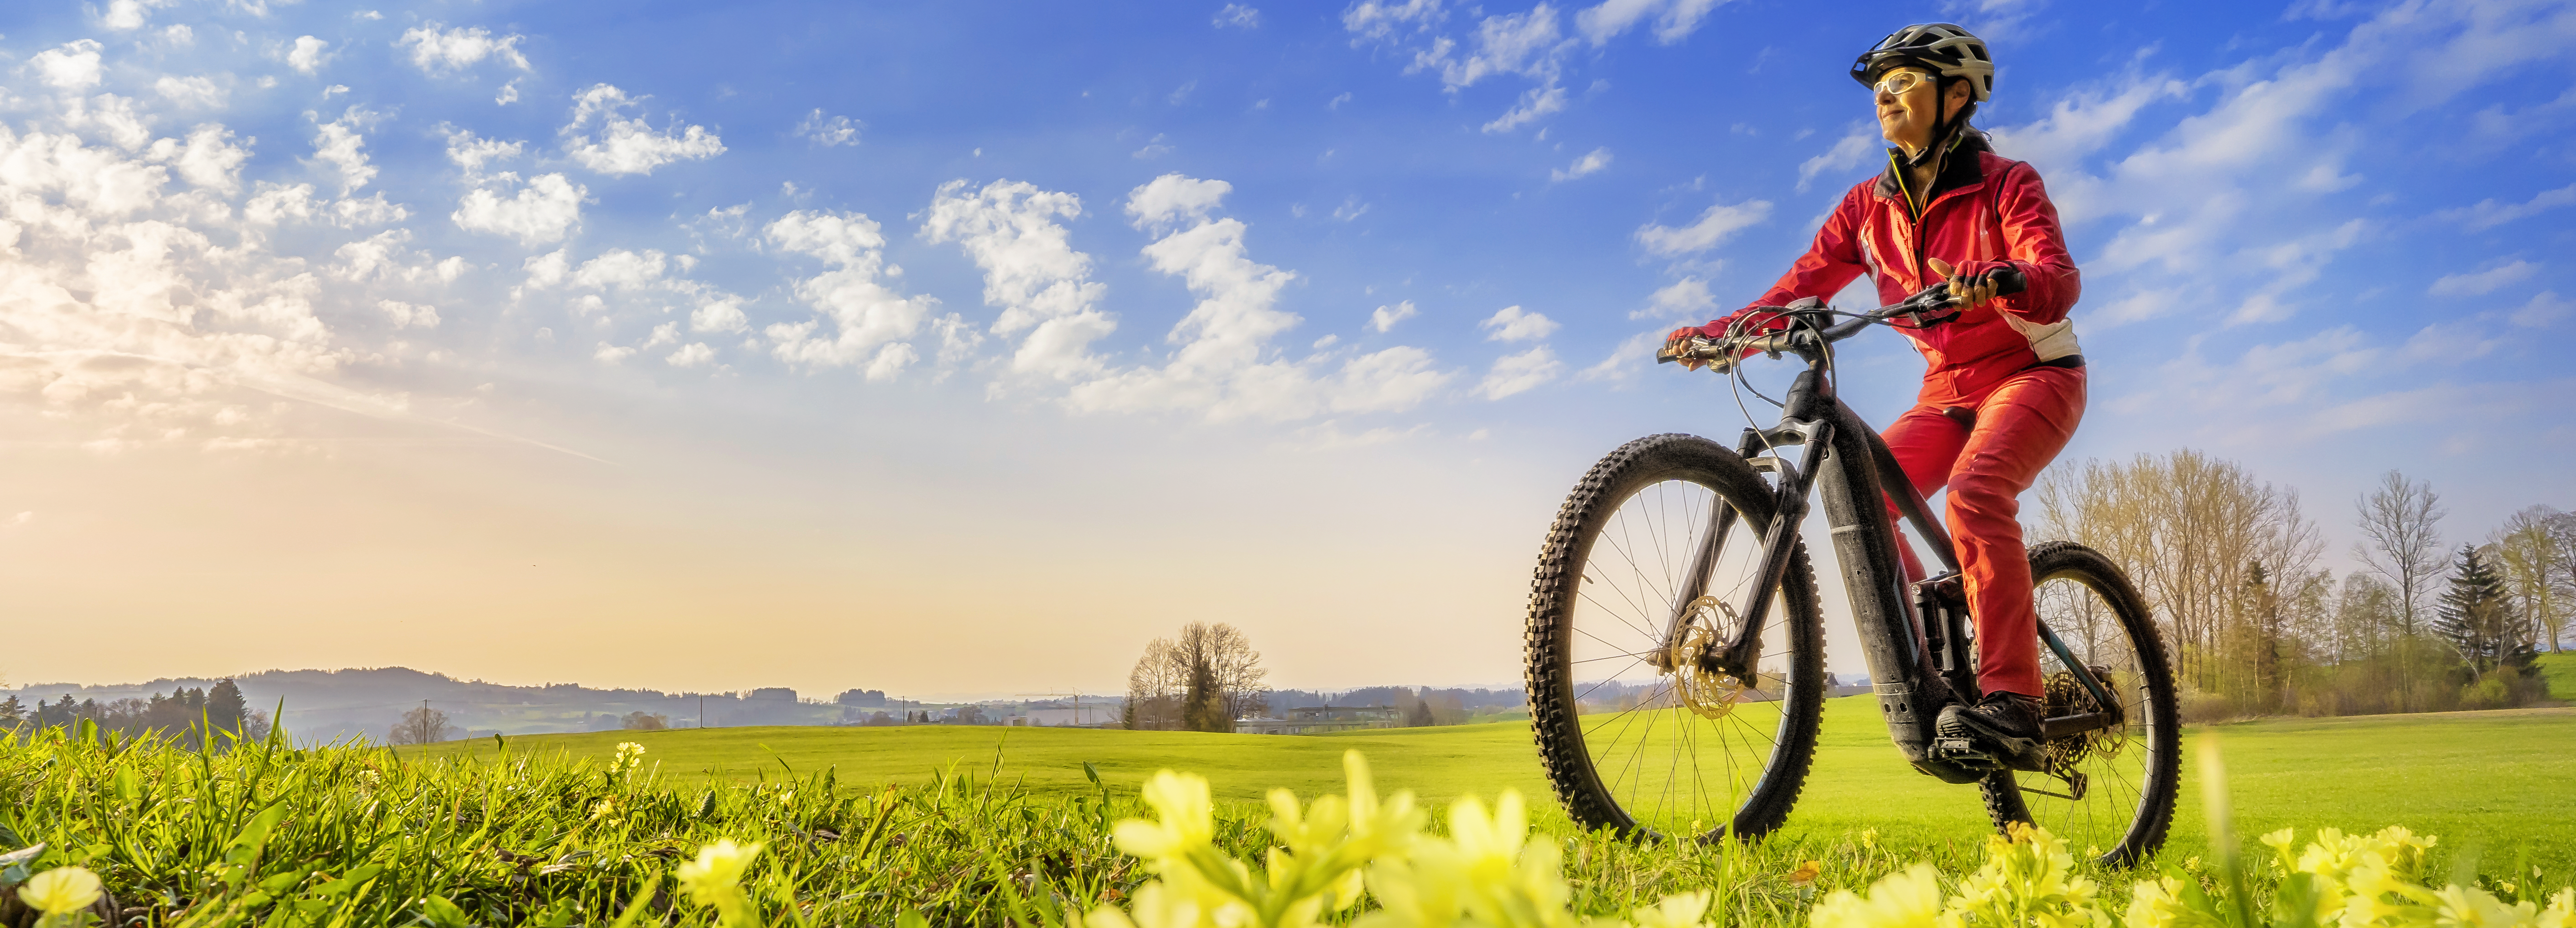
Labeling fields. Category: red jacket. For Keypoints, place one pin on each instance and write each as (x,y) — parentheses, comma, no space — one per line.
(1986,211)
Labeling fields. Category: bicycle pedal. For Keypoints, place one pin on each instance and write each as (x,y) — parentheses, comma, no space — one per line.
(1963,752)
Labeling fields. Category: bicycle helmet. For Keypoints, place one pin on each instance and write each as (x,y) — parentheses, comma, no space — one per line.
(1946,49)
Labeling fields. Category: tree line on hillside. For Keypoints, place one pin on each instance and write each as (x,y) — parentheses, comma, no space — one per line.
(183,713)
(2229,564)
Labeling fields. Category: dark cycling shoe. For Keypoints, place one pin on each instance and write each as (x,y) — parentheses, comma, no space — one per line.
(2004,726)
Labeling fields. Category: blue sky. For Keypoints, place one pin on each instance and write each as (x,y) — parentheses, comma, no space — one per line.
(816,337)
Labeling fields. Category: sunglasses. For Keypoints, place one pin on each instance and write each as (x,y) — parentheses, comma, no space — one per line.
(1901,83)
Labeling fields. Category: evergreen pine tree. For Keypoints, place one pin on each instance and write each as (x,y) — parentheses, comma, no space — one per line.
(225,707)
(2475,615)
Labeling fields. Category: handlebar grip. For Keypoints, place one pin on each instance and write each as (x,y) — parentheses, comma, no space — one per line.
(2007,280)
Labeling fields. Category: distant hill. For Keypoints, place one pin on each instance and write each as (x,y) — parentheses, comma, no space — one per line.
(334,705)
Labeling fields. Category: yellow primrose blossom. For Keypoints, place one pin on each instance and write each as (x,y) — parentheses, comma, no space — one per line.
(2027,879)
(1911,899)
(1680,910)
(1188,818)
(714,879)
(61,891)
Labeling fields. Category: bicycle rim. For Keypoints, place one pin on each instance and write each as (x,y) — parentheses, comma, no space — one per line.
(2107,793)
(1664,749)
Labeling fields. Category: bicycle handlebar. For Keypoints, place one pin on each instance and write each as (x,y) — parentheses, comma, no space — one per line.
(2006,280)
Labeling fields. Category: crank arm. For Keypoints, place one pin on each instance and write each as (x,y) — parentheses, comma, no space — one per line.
(2051,729)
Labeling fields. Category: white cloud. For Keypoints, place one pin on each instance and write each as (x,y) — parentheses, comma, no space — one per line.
(1852,151)
(544,210)
(719,315)
(1713,228)
(508,94)
(195,92)
(72,67)
(2481,283)
(1591,163)
(1225,366)
(1375,21)
(2544,310)
(407,315)
(374,210)
(1172,197)
(1520,373)
(308,54)
(336,144)
(837,130)
(1385,317)
(1237,16)
(130,314)
(621,269)
(2488,214)
(1529,44)
(1154,148)
(207,159)
(129,15)
(628,145)
(1687,298)
(1514,324)
(869,319)
(1031,271)
(443,52)
(611,354)
(692,354)
(1350,209)
(470,152)
(1674,19)
(549,269)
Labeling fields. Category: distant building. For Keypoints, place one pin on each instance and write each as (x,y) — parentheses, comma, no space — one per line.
(1316,720)
(1089,715)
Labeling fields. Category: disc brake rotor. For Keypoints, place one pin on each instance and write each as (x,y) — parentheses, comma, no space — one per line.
(2068,696)
(1710,693)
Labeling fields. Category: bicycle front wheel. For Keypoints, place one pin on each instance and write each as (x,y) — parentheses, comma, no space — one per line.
(1636,737)
(2109,793)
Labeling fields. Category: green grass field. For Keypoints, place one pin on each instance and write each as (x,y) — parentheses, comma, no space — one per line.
(2560,670)
(2497,782)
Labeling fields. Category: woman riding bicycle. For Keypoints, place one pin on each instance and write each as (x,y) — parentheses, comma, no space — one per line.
(2003,386)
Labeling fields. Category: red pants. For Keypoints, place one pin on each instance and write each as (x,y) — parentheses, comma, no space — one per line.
(2021,425)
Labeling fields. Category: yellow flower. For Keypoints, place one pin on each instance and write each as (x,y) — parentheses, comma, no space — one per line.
(2027,879)
(2158,903)
(1682,910)
(1911,899)
(1188,818)
(61,891)
(714,879)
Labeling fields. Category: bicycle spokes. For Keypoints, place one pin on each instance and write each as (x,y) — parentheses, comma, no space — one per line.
(1678,743)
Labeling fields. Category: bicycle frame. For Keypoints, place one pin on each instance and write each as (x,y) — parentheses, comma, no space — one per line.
(1915,666)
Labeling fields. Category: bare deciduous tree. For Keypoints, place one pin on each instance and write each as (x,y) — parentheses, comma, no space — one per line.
(422,725)
(1155,689)
(2531,550)
(1200,681)
(2195,533)
(2401,541)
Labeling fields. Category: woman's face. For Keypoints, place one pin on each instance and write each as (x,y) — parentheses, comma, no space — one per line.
(1906,119)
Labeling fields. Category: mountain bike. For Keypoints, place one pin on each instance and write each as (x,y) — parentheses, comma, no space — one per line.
(1676,646)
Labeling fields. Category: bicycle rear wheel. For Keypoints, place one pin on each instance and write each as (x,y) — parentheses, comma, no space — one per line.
(2110,792)
(1651,750)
